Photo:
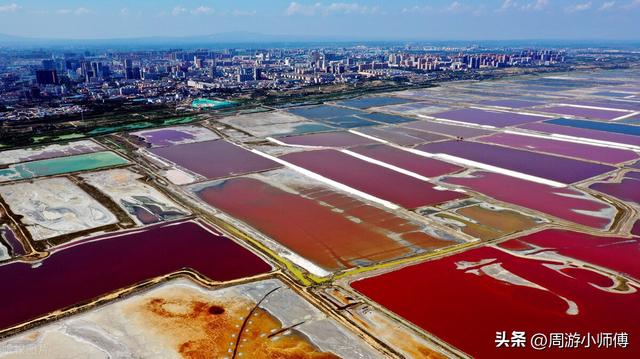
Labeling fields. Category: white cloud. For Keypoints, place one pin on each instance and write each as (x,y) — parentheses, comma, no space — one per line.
(459,7)
(13,7)
(579,7)
(536,5)
(178,10)
(417,9)
(607,5)
(319,8)
(202,10)
(507,5)
(125,11)
(76,11)
(455,6)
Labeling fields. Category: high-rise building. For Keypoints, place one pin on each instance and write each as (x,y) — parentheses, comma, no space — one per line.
(257,74)
(46,77)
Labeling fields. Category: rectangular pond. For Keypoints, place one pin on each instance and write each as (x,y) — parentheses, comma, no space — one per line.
(421,165)
(598,126)
(486,117)
(555,168)
(447,129)
(175,135)
(591,113)
(401,135)
(333,115)
(328,228)
(563,148)
(215,159)
(375,180)
(583,132)
(50,151)
(60,165)
(327,139)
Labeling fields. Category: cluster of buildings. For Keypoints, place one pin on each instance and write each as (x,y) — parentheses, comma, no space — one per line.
(66,79)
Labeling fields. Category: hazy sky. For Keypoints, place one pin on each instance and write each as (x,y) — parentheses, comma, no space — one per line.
(375,19)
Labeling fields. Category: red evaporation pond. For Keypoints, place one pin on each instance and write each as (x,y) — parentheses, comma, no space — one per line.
(555,168)
(446,129)
(618,254)
(79,272)
(582,132)
(484,117)
(327,139)
(597,114)
(511,103)
(401,135)
(628,189)
(578,150)
(565,203)
(308,223)
(421,165)
(406,191)
(215,159)
(466,298)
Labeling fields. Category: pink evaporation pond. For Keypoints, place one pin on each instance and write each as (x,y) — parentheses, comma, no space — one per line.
(424,166)
(555,168)
(584,133)
(577,150)
(401,135)
(80,272)
(375,180)
(446,129)
(215,159)
(628,189)
(462,301)
(636,229)
(612,104)
(511,103)
(592,113)
(327,139)
(484,117)
(565,203)
(166,137)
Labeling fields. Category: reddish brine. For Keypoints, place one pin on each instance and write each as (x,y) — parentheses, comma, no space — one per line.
(563,148)
(568,204)
(378,181)
(464,299)
(82,271)
(556,168)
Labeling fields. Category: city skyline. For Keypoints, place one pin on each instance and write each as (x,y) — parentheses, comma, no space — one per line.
(337,20)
